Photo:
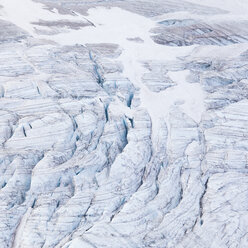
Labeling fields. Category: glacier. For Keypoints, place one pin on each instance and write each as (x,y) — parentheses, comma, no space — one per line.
(123,124)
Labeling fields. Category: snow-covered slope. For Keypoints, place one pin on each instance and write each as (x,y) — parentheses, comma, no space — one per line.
(123,124)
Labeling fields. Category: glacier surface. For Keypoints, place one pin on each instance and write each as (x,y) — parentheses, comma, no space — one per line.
(124,124)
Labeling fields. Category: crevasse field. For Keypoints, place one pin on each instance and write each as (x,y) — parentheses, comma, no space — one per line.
(123,123)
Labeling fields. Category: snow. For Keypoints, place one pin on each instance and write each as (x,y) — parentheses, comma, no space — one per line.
(113,26)
(97,183)
(24,13)
(233,6)
(20,228)
(78,243)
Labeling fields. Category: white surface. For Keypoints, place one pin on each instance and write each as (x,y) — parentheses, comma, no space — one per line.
(104,181)
(233,6)
(23,13)
(115,25)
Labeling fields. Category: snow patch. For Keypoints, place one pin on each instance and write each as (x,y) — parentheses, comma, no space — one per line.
(23,13)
